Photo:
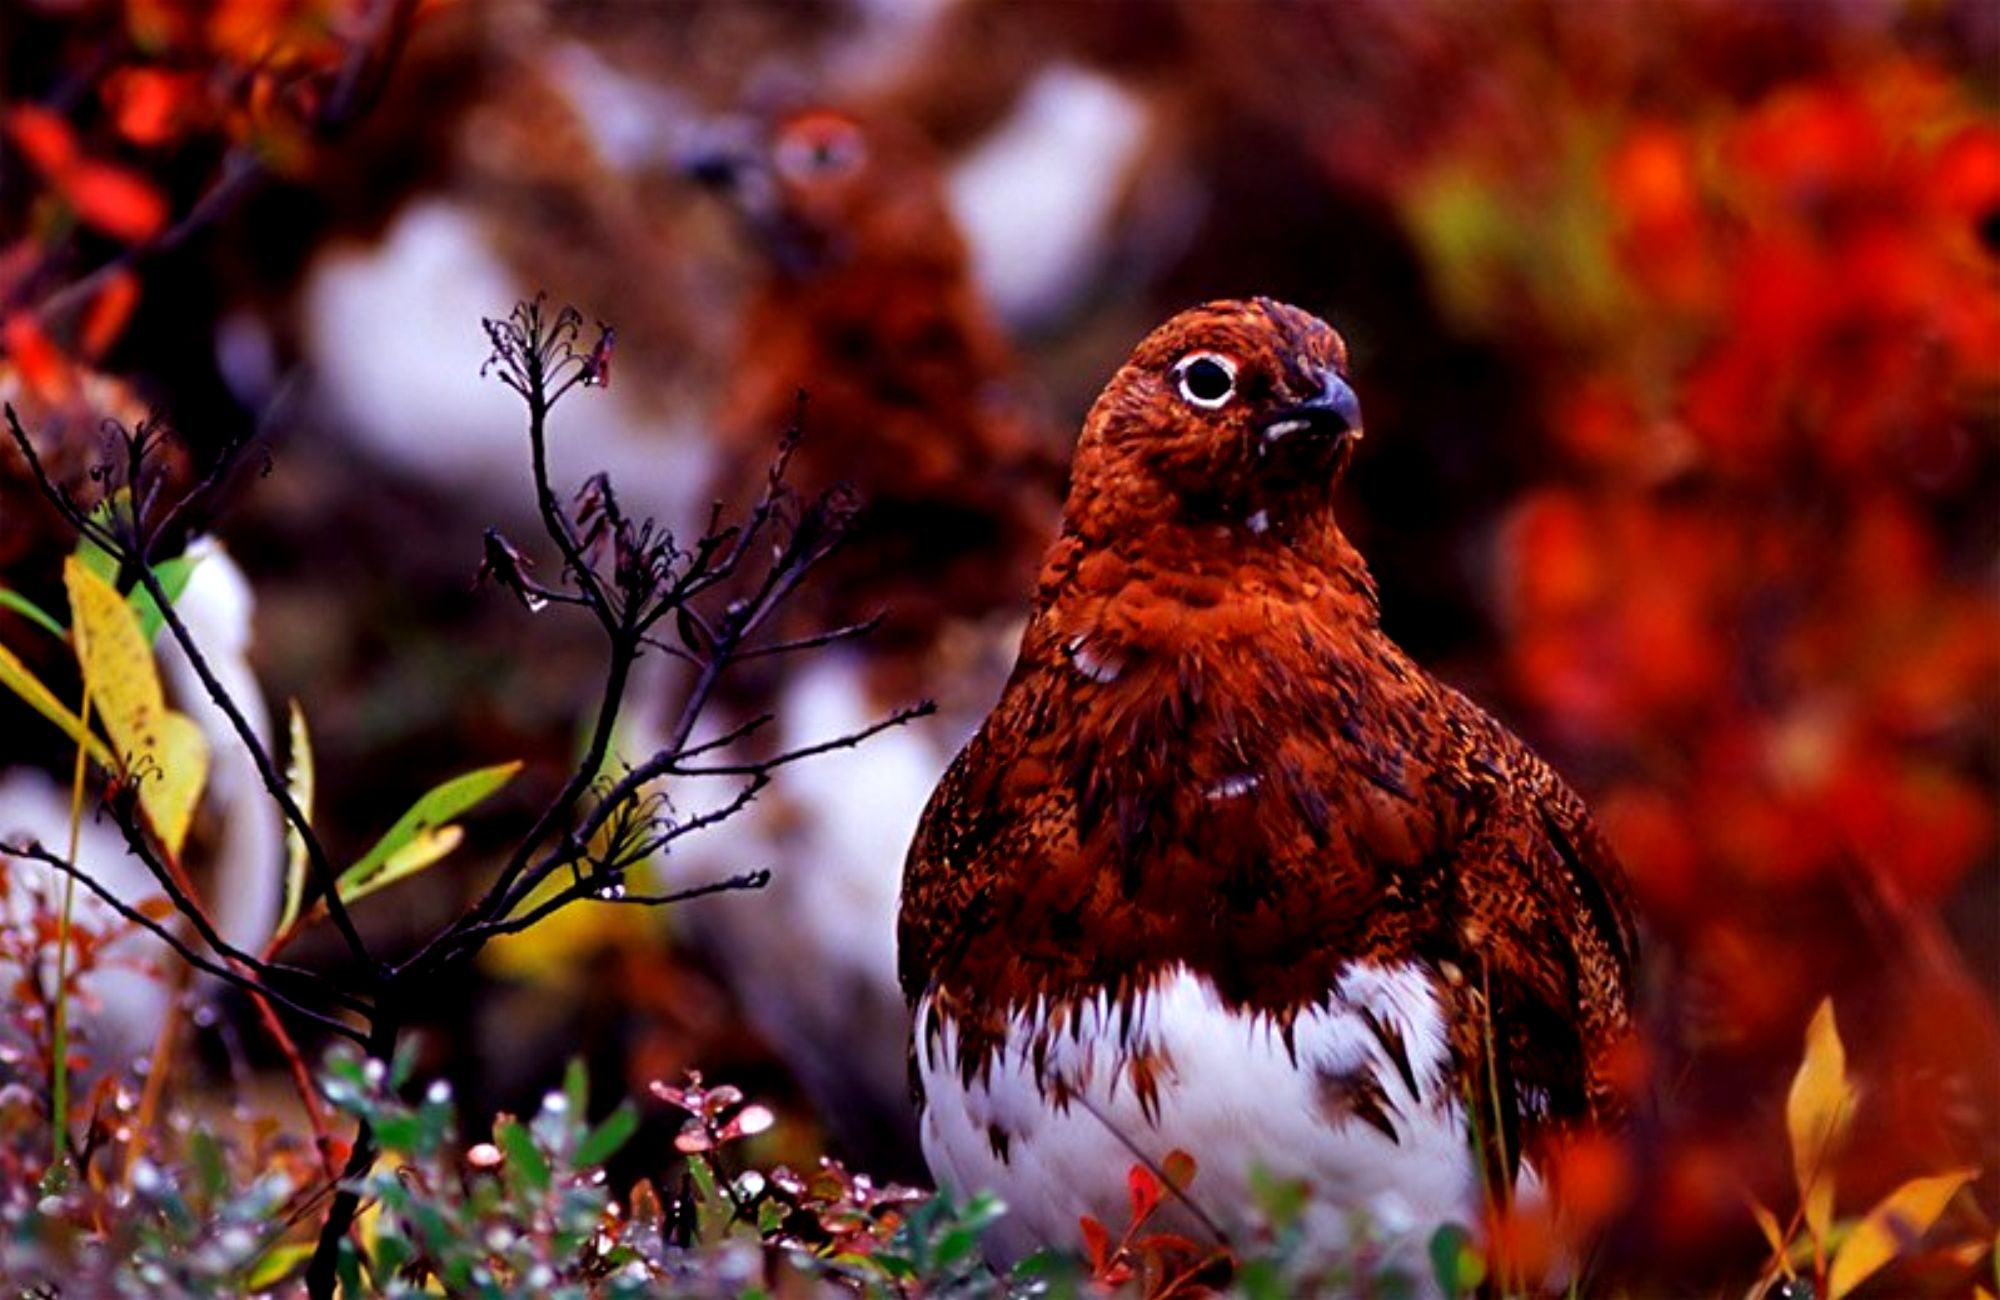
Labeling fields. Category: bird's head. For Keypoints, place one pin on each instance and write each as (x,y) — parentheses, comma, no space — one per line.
(821,188)
(1236,414)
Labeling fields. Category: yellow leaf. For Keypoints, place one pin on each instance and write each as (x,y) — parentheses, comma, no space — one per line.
(424,847)
(277,1264)
(1817,1114)
(299,779)
(14,675)
(164,751)
(555,950)
(1767,1223)
(1893,1226)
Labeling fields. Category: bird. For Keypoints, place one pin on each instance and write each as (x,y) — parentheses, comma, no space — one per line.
(912,396)
(913,401)
(1224,872)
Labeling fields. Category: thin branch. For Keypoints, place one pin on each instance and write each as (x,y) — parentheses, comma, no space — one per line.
(240,170)
(847,633)
(322,867)
(34,852)
(124,814)
(654,844)
(585,889)
(922,709)
(741,731)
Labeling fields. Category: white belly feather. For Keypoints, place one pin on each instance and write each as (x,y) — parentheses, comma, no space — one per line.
(1229,1092)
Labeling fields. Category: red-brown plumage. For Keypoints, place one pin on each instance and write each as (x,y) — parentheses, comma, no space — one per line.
(912,396)
(1210,758)
(864,302)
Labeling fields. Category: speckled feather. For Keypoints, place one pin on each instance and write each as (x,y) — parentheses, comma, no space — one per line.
(1210,758)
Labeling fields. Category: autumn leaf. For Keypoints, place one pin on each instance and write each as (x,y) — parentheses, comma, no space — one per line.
(105,319)
(163,750)
(149,105)
(1817,1113)
(40,361)
(1892,1227)
(115,200)
(1145,1192)
(43,137)
(1774,1235)
(14,675)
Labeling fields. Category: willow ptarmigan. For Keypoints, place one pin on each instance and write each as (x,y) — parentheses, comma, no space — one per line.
(866,302)
(1225,871)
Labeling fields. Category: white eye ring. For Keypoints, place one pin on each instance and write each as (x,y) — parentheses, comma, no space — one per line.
(1194,376)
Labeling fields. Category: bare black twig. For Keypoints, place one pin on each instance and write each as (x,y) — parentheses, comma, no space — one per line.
(633,577)
(34,852)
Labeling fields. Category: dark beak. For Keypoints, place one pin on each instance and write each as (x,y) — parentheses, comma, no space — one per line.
(718,154)
(1332,414)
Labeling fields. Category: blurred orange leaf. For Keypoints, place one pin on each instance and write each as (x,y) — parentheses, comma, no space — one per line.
(105,319)
(1817,1114)
(43,136)
(148,105)
(1892,1227)
(1774,1235)
(116,200)
(41,362)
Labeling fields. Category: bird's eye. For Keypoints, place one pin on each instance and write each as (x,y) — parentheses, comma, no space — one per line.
(820,148)
(1206,379)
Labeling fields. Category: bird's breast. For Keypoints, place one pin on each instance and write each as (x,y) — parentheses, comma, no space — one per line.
(1353,1094)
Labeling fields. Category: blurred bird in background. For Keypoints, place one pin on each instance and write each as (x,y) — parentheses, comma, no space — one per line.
(867,333)
(1226,872)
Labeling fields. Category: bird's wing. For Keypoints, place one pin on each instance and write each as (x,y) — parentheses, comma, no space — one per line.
(1544,932)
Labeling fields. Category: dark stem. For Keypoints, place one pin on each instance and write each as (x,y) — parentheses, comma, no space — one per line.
(323,1273)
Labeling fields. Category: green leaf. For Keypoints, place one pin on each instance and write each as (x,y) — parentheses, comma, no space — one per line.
(605,1140)
(299,779)
(277,1264)
(711,1212)
(173,575)
(211,1174)
(525,1165)
(576,1087)
(421,852)
(424,823)
(29,610)
(1455,1260)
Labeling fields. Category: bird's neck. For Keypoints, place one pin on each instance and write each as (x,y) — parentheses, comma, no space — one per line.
(1165,590)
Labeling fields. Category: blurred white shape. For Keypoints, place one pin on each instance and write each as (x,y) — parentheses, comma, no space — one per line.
(248,857)
(882,36)
(1037,196)
(813,955)
(246,357)
(122,1006)
(634,123)
(394,339)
